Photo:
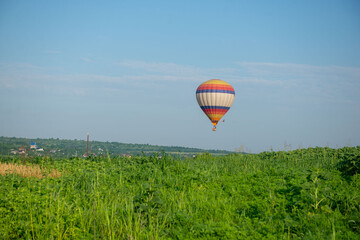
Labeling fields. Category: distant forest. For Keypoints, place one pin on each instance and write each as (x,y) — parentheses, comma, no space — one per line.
(61,148)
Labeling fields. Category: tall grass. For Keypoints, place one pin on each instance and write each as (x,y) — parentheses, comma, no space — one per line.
(27,170)
(301,194)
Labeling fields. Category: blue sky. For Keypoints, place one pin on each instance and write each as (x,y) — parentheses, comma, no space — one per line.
(127,71)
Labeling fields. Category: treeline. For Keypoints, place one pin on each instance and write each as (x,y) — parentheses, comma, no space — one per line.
(60,148)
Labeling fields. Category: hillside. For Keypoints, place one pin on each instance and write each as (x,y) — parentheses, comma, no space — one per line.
(59,148)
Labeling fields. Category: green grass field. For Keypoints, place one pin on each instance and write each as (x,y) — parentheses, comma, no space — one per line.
(303,194)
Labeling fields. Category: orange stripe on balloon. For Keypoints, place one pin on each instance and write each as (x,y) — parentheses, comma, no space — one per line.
(215,86)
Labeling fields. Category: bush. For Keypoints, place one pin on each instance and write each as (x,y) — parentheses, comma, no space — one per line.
(350,165)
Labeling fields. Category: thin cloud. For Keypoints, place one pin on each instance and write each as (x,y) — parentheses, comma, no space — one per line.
(257,80)
(162,71)
(302,71)
(52,52)
(85,59)
(335,83)
(161,67)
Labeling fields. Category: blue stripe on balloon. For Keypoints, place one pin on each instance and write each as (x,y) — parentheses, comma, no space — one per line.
(215,91)
(214,107)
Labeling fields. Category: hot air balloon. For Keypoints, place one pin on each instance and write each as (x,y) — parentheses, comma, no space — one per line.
(215,98)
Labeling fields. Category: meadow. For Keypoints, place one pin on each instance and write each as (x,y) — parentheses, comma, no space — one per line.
(309,193)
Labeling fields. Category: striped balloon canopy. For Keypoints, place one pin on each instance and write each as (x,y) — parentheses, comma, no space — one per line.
(215,98)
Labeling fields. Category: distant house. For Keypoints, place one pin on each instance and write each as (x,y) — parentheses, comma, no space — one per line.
(33,145)
(22,150)
(90,155)
(39,149)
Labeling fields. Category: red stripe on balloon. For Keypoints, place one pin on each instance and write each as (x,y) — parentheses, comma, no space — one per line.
(215,111)
(215,86)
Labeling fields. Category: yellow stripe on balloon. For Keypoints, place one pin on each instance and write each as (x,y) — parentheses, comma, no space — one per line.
(216,81)
(215,117)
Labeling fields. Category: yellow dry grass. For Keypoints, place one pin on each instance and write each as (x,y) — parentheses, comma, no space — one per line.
(27,170)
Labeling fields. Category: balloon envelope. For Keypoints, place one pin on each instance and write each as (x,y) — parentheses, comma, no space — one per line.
(215,98)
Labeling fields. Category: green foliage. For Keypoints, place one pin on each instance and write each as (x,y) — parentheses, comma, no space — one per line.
(350,163)
(298,194)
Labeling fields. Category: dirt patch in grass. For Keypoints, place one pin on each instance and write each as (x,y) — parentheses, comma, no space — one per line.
(28,170)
